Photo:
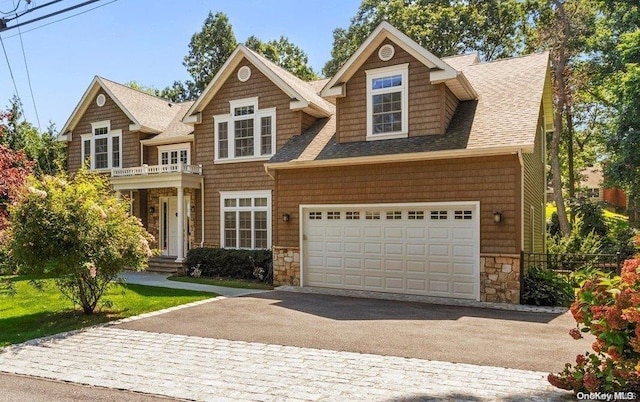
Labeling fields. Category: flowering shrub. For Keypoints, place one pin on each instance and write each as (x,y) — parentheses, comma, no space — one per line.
(78,232)
(608,307)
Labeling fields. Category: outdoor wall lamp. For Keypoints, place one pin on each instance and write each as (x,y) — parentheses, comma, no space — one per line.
(497,217)
(286,217)
(152,210)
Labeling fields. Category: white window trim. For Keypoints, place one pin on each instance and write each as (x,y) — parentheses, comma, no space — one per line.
(109,136)
(245,194)
(257,138)
(403,70)
(175,147)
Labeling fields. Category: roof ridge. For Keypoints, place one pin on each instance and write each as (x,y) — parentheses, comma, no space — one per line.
(140,92)
(476,53)
(521,56)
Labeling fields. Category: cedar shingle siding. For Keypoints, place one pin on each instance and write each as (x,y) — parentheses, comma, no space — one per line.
(429,113)
(242,176)
(494,181)
(119,120)
(534,190)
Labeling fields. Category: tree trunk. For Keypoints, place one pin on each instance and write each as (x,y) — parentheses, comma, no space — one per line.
(570,157)
(559,65)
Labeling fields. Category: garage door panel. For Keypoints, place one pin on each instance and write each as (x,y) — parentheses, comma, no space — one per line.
(438,250)
(416,285)
(393,233)
(373,248)
(373,282)
(393,265)
(393,248)
(427,250)
(436,234)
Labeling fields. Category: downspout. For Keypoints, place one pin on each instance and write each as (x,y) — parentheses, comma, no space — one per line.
(266,170)
(202,212)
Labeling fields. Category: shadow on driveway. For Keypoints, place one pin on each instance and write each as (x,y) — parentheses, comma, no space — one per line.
(530,341)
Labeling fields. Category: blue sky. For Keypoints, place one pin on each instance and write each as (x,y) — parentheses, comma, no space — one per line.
(144,40)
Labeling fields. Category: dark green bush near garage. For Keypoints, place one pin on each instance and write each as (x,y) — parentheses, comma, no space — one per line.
(231,263)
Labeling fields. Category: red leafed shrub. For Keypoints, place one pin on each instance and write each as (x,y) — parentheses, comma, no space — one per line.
(609,308)
(14,169)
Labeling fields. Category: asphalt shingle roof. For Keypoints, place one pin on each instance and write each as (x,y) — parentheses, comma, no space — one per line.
(504,115)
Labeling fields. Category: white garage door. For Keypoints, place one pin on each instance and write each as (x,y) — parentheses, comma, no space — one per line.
(425,249)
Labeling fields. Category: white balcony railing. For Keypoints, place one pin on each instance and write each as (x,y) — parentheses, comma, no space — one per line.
(156,169)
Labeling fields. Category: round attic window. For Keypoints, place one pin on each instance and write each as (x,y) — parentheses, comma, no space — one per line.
(386,52)
(244,73)
(100,100)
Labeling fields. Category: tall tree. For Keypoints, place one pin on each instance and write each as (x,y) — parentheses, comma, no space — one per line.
(209,49)
(495,29)
(624,159)
(285,54)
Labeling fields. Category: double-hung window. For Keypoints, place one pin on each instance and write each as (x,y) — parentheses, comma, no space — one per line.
(246,219)
(246,133)
(103,146)
(387,102)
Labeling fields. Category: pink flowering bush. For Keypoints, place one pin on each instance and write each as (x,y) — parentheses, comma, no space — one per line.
(78,232)
(609,308)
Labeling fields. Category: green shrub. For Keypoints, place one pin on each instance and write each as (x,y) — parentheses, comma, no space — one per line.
(609,308)
(544,287)
(230,263)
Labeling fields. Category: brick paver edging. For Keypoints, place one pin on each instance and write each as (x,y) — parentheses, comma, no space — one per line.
(204,369)
(423,299)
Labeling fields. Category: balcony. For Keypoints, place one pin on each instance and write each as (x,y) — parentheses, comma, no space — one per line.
(179,175)
(156,169)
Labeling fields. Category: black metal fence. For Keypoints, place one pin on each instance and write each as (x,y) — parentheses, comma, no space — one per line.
(567,263)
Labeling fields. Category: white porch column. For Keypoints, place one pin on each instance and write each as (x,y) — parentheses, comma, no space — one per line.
(180,224)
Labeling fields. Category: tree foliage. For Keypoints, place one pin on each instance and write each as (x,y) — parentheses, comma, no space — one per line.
(495,29)
(209,49)
(78,232)
(285,54)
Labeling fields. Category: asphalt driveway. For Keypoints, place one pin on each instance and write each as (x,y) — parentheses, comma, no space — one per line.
(522,340)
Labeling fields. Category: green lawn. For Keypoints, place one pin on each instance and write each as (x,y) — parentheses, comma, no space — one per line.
(615,221)
(31,313)
(227,283)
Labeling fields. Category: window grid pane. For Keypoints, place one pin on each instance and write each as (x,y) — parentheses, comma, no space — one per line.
(387,82)
(243,110)
(230,229)
(265,135)
(101,153)
(115,151)
(260,227)
(387,112)
(101,131)
(164,158)
(183,156)
(244,137)
(223,140)
(87,149)
(174,157)
(245,229)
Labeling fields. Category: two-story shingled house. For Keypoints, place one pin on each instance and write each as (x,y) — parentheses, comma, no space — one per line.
(403,173)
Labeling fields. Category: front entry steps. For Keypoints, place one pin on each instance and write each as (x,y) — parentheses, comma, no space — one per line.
(165,265)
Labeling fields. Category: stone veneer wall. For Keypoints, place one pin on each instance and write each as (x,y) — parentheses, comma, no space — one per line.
(500,278)
(153,200)
(286,266)
(499,274)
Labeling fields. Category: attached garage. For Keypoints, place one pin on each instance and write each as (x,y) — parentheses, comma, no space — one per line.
(422,248)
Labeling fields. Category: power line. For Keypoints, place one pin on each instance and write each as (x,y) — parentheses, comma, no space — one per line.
(26,66)
(12,11)
(15,87)
(4,21)
(65,18)
(29,10)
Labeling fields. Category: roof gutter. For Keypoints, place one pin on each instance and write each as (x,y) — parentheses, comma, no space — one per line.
(408,157)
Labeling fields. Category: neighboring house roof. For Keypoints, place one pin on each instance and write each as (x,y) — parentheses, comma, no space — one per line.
(147,113)
(592,177)
(303,95)
(503,119)
(441,72)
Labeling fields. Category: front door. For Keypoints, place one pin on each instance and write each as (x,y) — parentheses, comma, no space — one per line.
(169,225)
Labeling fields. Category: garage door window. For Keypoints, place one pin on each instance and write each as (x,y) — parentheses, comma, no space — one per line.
(466,215)
(246,220)
(438,215)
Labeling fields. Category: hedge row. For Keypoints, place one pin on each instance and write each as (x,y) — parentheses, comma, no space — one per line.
(230,263)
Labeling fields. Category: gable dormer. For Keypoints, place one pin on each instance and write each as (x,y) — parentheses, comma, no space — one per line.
(391,87)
